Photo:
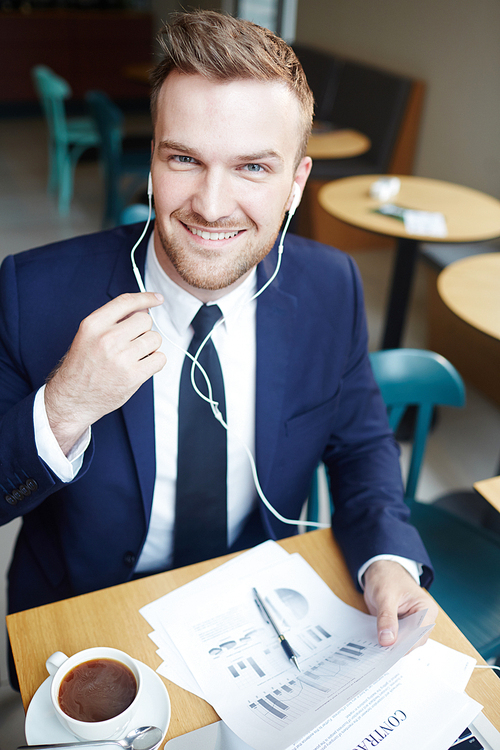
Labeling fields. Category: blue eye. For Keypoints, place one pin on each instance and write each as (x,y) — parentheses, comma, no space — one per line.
(254,167)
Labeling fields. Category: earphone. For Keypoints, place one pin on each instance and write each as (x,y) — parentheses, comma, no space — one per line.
(296,197)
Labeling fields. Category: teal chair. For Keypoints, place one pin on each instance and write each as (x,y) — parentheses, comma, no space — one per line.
(135,213)
(466,557)
(124,171)
(68,138)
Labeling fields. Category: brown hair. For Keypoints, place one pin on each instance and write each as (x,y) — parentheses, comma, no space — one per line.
(223,48)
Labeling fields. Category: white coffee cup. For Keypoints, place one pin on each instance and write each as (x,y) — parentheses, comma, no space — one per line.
(385,188)
(59,665)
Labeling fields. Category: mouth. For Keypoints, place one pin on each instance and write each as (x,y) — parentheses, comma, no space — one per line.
(205,234)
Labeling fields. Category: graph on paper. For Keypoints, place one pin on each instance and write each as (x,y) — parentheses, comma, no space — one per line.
(283,701)
(257,667)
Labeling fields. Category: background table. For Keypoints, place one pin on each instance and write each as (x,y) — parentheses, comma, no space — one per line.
(490,490)
(470,215)
(471,289)
(337,144)
(111,618)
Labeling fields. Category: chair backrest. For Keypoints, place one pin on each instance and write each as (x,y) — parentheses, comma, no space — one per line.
(372,101)
(322,71)
(135,213)
(406,377)
(52,91)
(109,120)
(419,378)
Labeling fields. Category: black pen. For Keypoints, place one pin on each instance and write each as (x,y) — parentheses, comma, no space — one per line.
(283,641)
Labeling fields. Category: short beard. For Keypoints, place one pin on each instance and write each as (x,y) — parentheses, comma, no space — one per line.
(211,272)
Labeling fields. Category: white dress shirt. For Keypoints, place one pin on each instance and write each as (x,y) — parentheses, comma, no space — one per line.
(234,340)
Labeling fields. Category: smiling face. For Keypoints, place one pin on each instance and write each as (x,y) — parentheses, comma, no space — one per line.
(223,168)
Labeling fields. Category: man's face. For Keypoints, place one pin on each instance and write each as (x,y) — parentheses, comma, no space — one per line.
(223,168)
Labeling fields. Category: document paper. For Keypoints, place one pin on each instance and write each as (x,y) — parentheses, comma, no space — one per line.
(234,658)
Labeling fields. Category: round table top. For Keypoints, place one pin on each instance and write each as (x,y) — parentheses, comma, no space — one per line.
(337,144)
(471,289)
(470,215)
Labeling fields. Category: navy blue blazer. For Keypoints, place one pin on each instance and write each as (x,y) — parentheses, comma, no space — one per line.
(316,399)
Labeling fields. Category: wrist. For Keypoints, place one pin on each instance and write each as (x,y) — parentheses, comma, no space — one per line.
(65,420)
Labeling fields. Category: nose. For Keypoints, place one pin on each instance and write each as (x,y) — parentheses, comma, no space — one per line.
(213,198)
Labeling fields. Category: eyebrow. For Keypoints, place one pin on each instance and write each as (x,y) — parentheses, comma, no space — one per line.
(170,145)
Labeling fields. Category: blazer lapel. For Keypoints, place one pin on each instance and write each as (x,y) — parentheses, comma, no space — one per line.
(276,314)
(276,326)
(138,411)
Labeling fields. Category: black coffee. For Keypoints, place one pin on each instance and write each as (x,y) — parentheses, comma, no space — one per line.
(97,690)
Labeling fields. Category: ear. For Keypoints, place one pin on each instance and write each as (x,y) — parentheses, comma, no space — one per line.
(301,175)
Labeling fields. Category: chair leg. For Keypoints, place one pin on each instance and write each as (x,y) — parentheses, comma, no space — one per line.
(65,187)
(53,180)
(67,177)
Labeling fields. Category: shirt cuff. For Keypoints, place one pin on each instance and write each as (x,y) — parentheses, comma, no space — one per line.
(413,568)
(49,450)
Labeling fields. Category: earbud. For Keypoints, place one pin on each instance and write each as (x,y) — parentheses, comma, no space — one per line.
(150,185)
(297,195)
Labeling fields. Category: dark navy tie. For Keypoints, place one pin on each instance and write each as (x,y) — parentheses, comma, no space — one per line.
(201,505)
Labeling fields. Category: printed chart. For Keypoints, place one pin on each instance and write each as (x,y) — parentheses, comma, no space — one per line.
(283,701)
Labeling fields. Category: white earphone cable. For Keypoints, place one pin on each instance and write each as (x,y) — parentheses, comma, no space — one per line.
(195,363)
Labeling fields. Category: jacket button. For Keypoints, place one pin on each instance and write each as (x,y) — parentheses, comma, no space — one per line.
(129,559)
(11,500)
(31,484)
(17,495)
(25,492)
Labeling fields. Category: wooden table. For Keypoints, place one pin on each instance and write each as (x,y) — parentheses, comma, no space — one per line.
(337,144)
(111,618)
(470,215)
(471,289)
(490,490)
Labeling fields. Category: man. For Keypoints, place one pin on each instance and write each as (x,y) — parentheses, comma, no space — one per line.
(90,459)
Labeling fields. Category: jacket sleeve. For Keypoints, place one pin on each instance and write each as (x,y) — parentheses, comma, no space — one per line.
(370,516)
(25,480)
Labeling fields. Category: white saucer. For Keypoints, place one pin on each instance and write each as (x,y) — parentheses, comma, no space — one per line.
(43,726)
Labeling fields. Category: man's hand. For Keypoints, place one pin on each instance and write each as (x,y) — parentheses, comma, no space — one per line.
(113,353)
(391,592)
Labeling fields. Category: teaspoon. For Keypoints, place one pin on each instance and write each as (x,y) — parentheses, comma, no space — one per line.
(142,738)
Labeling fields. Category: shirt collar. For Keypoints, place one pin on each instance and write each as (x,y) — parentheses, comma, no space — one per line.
(181,306)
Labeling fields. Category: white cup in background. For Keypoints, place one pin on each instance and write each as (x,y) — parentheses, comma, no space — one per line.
(385,188)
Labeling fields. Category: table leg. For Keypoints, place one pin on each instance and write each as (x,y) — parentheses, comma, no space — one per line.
(402,278)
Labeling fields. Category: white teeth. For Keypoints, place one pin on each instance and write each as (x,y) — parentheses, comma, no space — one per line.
(213,235)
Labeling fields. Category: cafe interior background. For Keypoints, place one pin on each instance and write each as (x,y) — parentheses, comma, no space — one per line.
(452,46)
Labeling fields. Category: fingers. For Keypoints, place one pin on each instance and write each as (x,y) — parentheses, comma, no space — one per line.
(145,345)
(392,593)
(132,334)
(387,626)
(113,353)
(124,317)
(126,304)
